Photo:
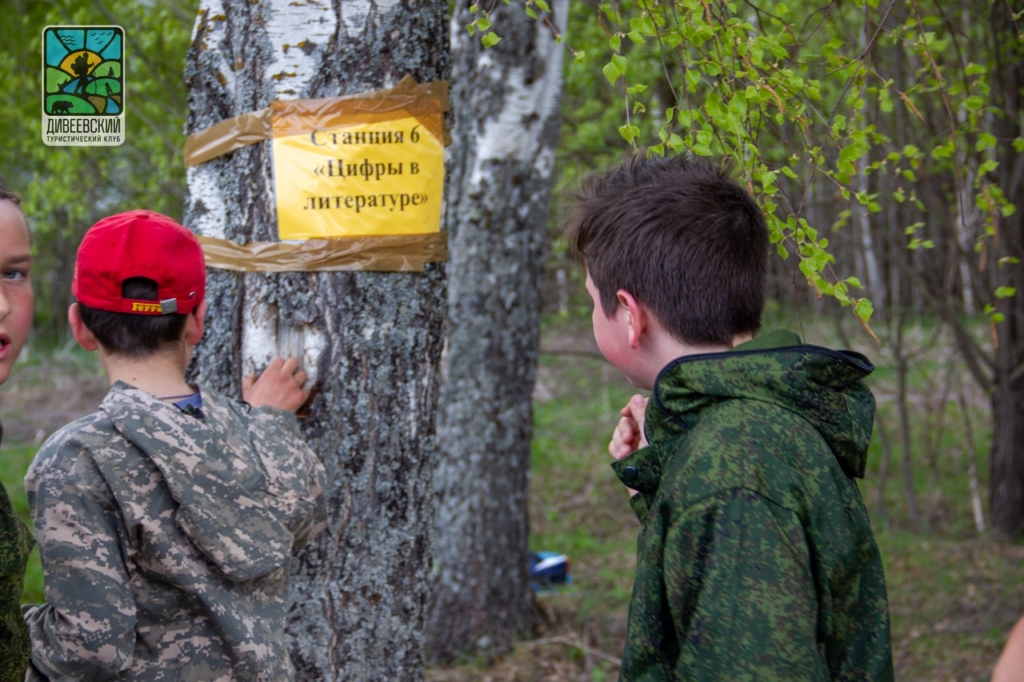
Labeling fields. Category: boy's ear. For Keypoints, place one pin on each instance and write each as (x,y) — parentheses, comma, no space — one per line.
(82,335)
(638,318)
(194,325)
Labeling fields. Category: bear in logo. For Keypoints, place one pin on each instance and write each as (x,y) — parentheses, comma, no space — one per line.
(61,107)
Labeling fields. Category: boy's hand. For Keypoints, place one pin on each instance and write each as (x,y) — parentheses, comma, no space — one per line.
(629,434)
(279,386)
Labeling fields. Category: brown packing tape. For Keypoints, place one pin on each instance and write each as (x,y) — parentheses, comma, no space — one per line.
(227,136)
(405,253)
(426,102)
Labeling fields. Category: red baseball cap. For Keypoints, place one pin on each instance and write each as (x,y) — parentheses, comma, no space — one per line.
(140,244)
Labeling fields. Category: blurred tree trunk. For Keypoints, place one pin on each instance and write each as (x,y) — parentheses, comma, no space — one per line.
(995,241)
(1007,392)
(371,341)
(506,103)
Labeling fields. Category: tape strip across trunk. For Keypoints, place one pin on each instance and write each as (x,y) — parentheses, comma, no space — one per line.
(404,253)
(301,116)
(425,104)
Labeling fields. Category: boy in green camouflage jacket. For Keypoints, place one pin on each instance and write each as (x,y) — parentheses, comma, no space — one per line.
(166,520)
(755,559)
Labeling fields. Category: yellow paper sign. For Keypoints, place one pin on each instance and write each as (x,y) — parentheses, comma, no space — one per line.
(370,178)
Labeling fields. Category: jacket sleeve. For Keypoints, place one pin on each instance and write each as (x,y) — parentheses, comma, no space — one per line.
(296,477)
(15,544)
(638,503)
(86,628)
(741,592)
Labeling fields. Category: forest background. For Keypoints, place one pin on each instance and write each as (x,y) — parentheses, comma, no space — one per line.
(884,141)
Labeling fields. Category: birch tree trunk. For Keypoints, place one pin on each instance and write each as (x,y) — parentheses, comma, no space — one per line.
(370,341)
(506,103)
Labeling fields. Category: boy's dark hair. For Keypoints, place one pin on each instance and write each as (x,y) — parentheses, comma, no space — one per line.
(6,193)
(134,336)
(680,235)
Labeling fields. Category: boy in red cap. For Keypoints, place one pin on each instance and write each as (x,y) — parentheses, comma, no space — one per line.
(165,520)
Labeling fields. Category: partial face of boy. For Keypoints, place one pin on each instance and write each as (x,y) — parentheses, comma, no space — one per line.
(15,285)
(616,337)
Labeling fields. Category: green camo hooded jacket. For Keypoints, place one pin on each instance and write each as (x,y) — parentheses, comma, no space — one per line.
(755,559)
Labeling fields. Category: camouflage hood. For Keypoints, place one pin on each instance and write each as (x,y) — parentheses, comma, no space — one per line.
(165,538)
(822,386)
(242,527)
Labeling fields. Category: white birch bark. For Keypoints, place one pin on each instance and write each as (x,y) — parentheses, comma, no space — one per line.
(506,103)
(370,341)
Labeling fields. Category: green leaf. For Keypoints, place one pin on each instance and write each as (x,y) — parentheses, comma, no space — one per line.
(943,151)
(629,132)
(483,23)
(490,40)
(543,5)
(1018,144)
(616,42)
(988,167)
(1005,292)
(864,309)
(611,72)
(974,103)
(985,141)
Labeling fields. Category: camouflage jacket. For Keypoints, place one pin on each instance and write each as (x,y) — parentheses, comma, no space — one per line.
(755,558)
(165,540)
(15,544)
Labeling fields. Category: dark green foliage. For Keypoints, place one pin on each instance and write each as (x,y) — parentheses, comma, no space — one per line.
(66,189)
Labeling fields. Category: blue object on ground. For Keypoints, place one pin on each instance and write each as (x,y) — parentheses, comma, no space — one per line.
(548,569)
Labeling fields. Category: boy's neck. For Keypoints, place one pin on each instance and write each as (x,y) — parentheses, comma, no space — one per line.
(160,374)
(663,348)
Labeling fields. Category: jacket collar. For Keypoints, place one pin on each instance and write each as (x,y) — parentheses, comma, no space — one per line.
(822,385)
